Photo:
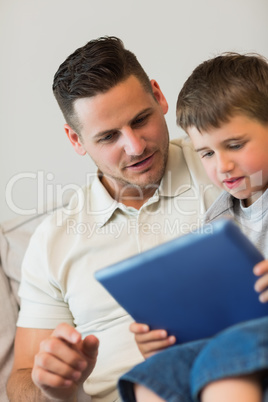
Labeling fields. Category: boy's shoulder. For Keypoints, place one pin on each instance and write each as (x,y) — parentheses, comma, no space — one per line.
(221,207)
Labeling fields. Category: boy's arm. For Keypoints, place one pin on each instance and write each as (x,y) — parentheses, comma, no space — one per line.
(261,285)
(50,365)
(150,342)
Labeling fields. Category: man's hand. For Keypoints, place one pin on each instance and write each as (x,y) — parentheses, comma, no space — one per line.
(150,342)
(261,285)
(63,362)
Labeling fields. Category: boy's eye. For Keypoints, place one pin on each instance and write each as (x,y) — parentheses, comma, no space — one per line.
(207,154)
(236,146)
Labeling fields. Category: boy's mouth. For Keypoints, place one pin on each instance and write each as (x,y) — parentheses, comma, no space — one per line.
(233,182)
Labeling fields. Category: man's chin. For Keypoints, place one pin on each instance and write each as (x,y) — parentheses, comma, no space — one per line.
(150,182)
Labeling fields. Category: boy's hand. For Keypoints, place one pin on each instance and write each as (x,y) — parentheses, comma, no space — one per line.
(150,342)
(261,285)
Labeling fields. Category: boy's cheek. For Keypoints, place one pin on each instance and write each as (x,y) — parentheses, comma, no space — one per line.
(212,174)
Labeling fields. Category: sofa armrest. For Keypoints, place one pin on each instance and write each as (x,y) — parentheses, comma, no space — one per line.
(14,238)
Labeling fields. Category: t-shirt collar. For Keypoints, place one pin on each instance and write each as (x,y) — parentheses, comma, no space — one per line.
(176,180)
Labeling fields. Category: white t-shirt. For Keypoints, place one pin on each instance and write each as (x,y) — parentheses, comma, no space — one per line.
(95,231)
(252,220)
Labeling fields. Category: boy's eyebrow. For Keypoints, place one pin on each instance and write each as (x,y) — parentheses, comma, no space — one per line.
(200,149)
(112,130)
(239,137)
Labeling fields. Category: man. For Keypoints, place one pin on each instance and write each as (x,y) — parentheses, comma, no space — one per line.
(147,191)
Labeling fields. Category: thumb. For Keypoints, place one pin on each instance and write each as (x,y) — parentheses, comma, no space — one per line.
(90,350)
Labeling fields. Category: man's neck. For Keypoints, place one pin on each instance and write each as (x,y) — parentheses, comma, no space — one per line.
(129,195)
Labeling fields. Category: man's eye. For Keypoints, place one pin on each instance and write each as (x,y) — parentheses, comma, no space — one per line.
(108,137)
(140,120)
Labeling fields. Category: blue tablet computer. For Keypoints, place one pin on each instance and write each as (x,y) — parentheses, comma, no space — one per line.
(193,286)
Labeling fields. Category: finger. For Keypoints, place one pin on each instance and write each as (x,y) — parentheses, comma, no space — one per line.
(53,385)
(263,297)
(137,328)
(43,378)
(262,283)
(154,335)
(261,268)
(90,352)
(49,363)
(90,347)
(67,332)
(149,349)
(63,351)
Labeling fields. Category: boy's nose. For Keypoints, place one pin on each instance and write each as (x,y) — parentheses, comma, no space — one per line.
(134,144)
(225,164)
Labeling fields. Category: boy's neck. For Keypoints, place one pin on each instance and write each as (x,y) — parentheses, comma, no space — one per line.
(254,197)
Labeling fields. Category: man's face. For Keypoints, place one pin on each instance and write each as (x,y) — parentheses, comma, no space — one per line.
(235,156)
(125,133)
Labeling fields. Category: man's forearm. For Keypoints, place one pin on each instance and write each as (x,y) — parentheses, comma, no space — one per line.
(20,388)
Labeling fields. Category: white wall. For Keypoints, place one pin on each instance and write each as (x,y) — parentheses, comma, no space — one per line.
(169,37)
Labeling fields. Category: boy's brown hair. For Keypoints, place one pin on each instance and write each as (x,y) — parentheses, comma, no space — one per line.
(222,87)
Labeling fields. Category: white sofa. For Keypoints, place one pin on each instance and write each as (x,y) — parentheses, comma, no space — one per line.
(14,238)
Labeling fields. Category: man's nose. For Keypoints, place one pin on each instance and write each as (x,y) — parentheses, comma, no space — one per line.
(134,144)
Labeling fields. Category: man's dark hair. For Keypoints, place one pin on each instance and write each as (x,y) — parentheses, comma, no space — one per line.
(222,87)
(92,69)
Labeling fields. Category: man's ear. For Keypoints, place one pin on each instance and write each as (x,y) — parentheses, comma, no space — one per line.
(75,140)
(158,94)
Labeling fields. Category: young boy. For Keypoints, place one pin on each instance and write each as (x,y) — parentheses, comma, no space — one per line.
(223,106)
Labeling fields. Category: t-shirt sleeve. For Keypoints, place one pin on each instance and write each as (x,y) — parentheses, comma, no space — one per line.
(41,293)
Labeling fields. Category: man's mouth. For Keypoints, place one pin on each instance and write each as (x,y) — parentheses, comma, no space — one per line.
(142,163)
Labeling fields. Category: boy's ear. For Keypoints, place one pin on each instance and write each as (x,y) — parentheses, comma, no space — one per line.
(75,140)
(158,94)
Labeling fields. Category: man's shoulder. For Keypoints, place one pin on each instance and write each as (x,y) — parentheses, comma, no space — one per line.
(182,142)
(89,206)
(57,218)
(184,147)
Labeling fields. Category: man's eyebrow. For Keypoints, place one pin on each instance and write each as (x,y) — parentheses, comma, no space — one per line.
(101,134)
(113,130)
(145,111)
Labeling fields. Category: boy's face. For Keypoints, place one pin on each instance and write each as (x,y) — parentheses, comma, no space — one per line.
(125,133)
(235,156)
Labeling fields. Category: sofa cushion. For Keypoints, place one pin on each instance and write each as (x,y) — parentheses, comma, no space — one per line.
(14,238)
(15,235)
(8,317)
